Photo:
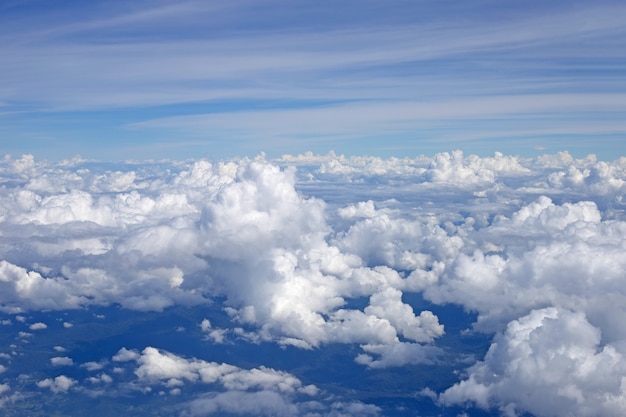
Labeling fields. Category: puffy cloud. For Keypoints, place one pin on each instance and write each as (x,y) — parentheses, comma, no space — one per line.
(60,384)
(453,169)
(262,403)
(125,355)
(236,229)
(562,255)
(388,304)
(93,366)
(205,325)
(61,361)
(23,289)
(101,379)
(547,363)
(38,326)
(385,237)
(270,403)
(160,366)
(590,176)
(398,354)
(342,409)
(326,254)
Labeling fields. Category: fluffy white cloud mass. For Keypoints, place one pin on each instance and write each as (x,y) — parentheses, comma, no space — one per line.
(313,250)
(60,384)
(551,359)
(61,361)
(172,370)
(258,391)
(239,230)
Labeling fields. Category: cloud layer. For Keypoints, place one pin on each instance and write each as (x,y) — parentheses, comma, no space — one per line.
(313,250)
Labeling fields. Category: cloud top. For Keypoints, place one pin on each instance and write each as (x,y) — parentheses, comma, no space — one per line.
(312,250)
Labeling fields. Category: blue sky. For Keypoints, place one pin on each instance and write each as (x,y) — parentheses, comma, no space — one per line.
(116,80)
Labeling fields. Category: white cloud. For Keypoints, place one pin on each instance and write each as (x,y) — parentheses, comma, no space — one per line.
(270,403)
(101,378)
(125,355)
(205,325)
(159,366)
(60,384)
(262,403)
(398,354)
(61,361)
(388,304)
(93,366)
(548,362)
(553,255)
(328,254)
(38,326)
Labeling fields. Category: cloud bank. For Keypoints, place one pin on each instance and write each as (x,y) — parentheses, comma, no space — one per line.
(312,250)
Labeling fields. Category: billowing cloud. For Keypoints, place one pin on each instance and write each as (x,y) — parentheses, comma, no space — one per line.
(59,384)
(156,366)
(38,326)
(262,391)
(94,366)
(337,250)
(125,355)
(61,361)
(398,354)
(548,362)
(263,403)
(240,230)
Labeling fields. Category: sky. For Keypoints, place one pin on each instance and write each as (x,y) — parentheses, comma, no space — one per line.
(113,80)
(312,209)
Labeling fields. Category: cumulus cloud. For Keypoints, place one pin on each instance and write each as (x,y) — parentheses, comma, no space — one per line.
(388,304)
(263,403)
(216,335)
(268,403)
(156,366)
(563,255)
(125,355)
(548,362)
(61,361)
(327,253)
(60,384)
(38,326)
(398,354)
(93,366)
(100,379)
